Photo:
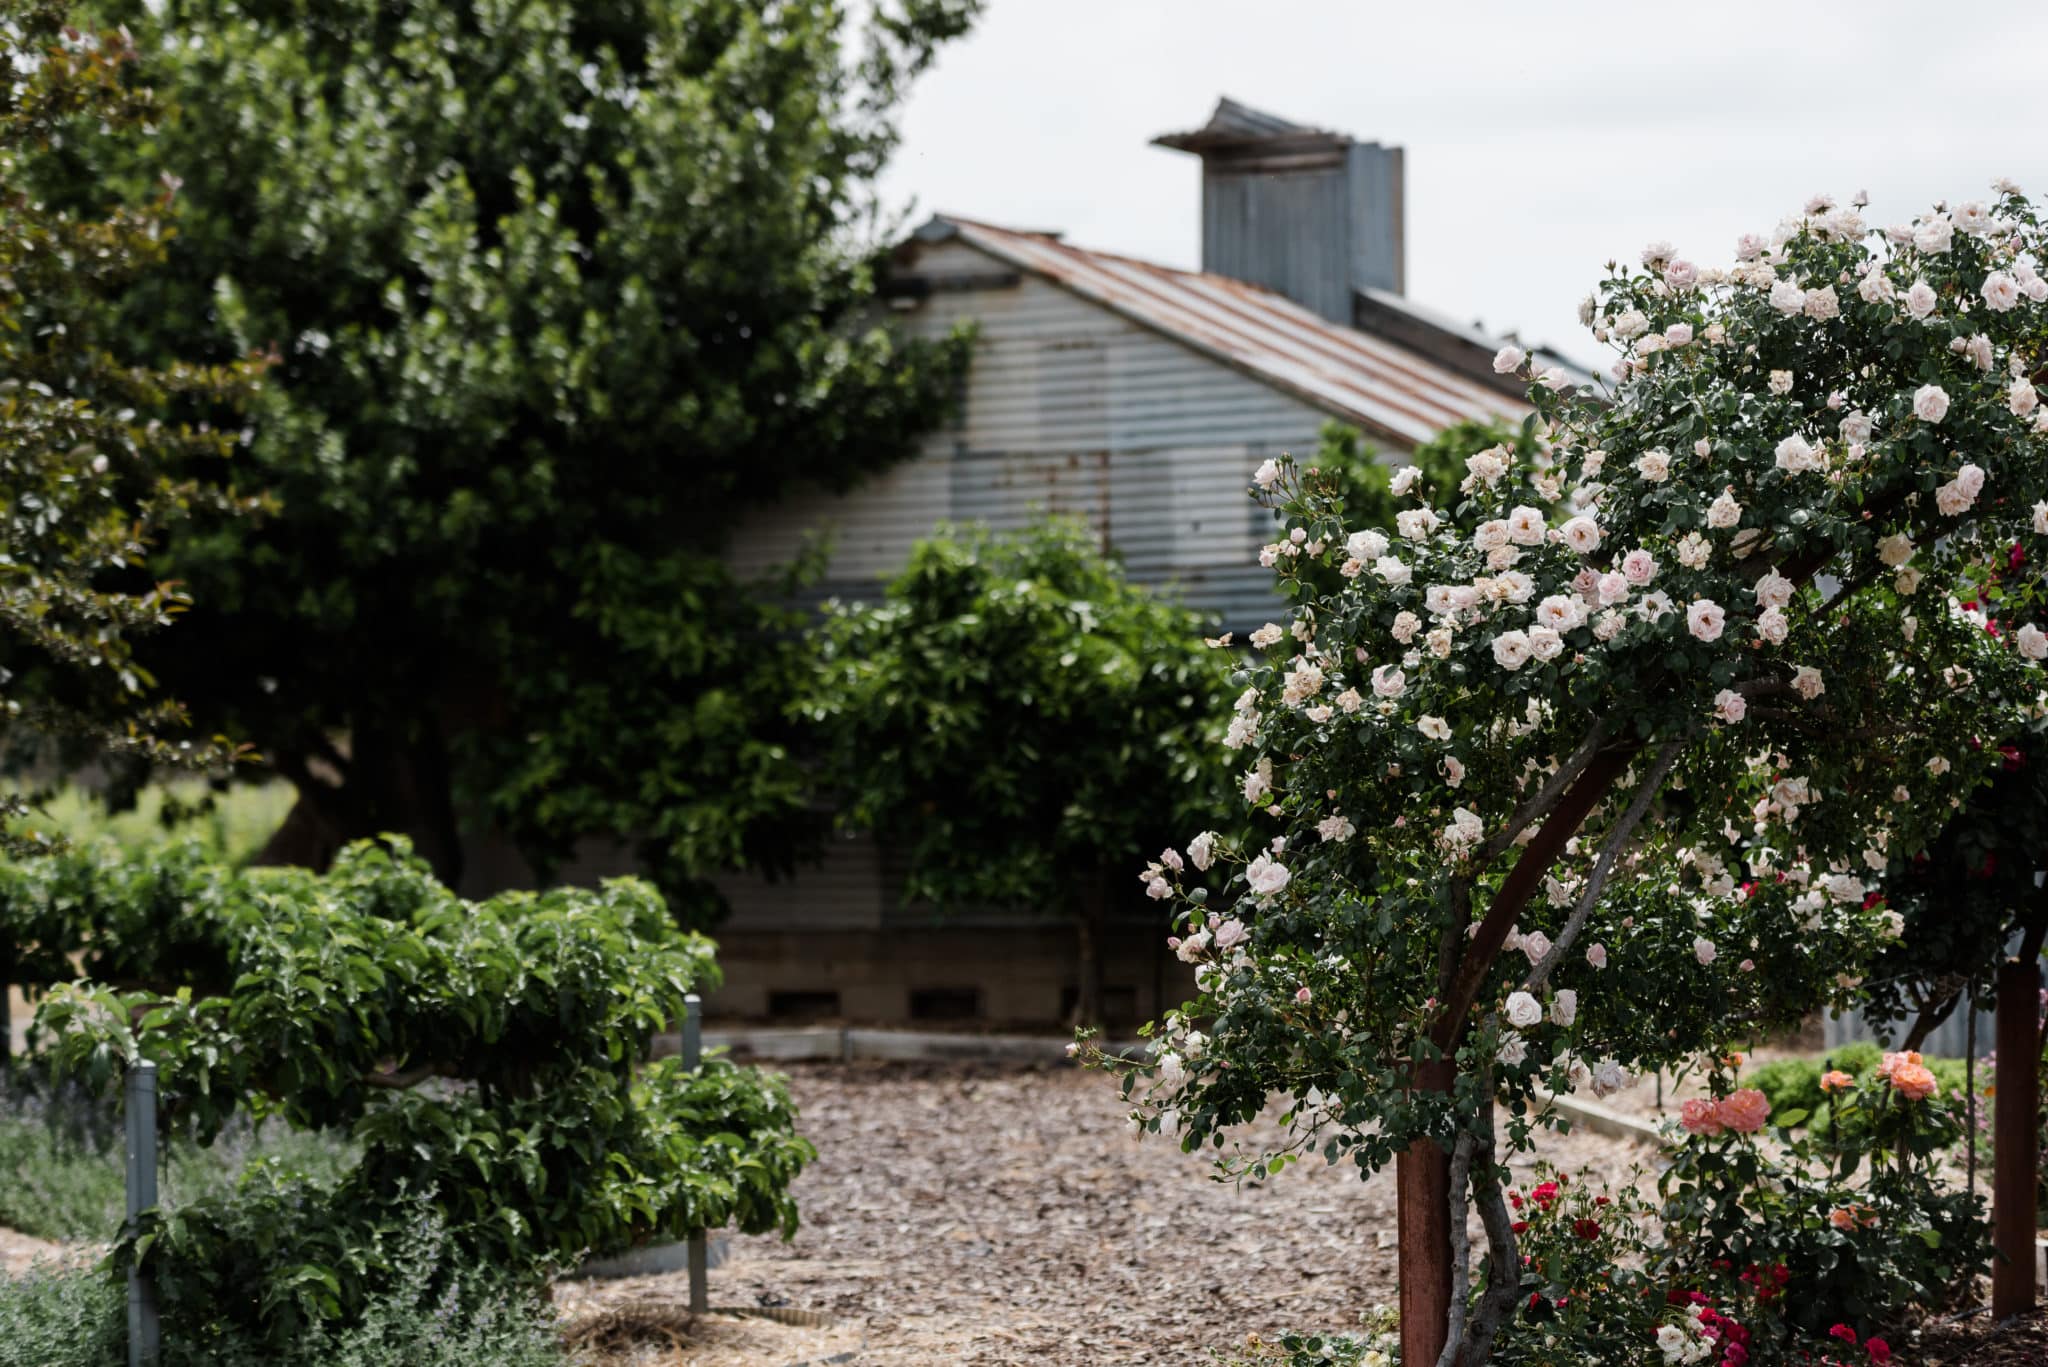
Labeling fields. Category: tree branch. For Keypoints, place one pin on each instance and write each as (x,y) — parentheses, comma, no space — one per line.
(407,1080)
(1610,854)
(1544,797)
(1461,1244)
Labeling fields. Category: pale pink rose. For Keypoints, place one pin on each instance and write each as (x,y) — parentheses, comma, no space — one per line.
(1613,589)
(1703,950)
(1930,403)
(1921,299)
(1596,955)
(1970,480)
(1730,706)
(1681,275)
(1230,935)
(1678,334)
(1639,566)
(2000,291)
(1508,360)
(1700,1116)
(1743,1111)
(1582,534)
(1303,995)
(1704,618)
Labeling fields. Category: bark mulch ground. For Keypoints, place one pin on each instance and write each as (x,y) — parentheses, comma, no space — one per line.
(982,1216)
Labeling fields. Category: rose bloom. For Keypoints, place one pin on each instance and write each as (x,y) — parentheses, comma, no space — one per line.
(1523,1010)
(1597,956)
(1835,1080)
(1639,566)
(1511,650)
(1913,1082)
(1724,511)
(1582,534)
(1704,618)
(2000,291)
(1744,1111)
(1700,1116)
(1921,299)
(1930,403)
(1730,706)
(1508,359)
(1703,950)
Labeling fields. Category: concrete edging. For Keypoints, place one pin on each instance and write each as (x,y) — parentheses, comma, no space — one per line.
(842,1043)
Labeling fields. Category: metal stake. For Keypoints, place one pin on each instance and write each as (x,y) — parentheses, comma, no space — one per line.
(693,1059)
(144,1346)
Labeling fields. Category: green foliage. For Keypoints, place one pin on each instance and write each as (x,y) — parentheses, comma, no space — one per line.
(483,1056)
(1377,1345)
(1016,716)
(560,290)
(90,445)
(1588,1283)
(436,1315)
(1792,1085)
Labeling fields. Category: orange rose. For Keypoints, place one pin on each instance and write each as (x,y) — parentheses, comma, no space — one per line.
(1913,1082)
(1835,1080)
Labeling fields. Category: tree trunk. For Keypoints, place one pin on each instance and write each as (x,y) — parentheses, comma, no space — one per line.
(1090,922)
(2014,1179)
(1931,1017)
(396,781)
(1422,1222)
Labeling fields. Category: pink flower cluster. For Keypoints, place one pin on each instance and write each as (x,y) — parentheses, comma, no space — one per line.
(1740,1112)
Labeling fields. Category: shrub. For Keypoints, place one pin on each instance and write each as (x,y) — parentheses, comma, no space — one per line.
(484,1056)
(433,1317)
(61,1147)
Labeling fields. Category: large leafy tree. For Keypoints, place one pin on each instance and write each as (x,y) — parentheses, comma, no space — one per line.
(89,443)
(560,287)
(1015,716)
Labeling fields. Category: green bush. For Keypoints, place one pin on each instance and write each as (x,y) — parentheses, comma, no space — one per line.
(484,1057)
(433,1317)
(1792,1085)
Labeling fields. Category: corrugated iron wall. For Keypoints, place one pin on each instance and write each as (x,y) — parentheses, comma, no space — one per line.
(1070,409)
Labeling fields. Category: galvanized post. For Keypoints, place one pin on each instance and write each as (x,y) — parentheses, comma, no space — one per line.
(143,1342)
(693,1058)
(2014,1173)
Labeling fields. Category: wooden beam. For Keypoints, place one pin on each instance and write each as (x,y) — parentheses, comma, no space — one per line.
(2014,1179)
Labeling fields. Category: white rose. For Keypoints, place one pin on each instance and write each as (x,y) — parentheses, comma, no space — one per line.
(1582,534)
(1896,549)
(1202,850)
(1564,1007)
(1724,511)
(1511,650)
(1930,403)
(1787,298)
(2033,642)
(1703,950)
(1265,877)
(1774,590)
(1934,236)
(2000,291)
(1404,480)
(1416,523)
(1970,479)
(1704,618)
(1514,1051)
(1856,428)
(1921,299)
(1389,682)
(1508,360)
(1795,455)
(1654,466)
(2022,398)
(1821,304)
(1773,626)
(1545,644)
(1523,1010)
(1436,728)
(1267,475)
(1392,570)
(1806,682)
(1730,706)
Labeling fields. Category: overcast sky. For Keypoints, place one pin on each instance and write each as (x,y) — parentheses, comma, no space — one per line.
(1542,139)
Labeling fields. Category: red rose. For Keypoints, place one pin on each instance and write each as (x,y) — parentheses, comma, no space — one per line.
(1586,1229)
(1844,1333)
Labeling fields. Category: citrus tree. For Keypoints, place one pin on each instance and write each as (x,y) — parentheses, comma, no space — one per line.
(1545,798)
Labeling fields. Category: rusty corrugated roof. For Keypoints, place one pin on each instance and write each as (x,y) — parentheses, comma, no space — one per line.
(1386,389)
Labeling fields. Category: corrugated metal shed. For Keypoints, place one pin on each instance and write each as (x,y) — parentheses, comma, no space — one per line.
(1385,389)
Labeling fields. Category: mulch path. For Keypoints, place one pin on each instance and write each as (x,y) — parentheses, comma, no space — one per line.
(977,1215)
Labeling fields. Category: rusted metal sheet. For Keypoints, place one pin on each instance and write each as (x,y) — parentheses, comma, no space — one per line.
(1388,390)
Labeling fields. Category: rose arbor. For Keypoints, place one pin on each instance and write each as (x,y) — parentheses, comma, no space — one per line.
(1574,795)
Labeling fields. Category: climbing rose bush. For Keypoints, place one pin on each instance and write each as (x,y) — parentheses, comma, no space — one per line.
(1579,792)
